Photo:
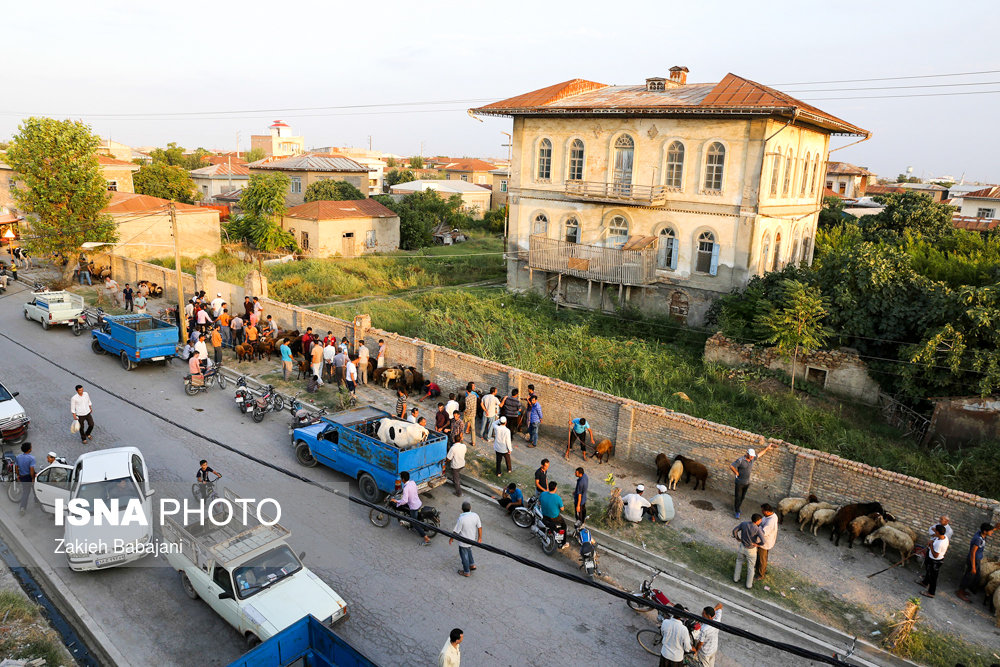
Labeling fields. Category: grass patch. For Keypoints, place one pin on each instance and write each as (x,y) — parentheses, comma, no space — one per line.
(314,281)
(23,637)
(16,607)
(652,361)
(938,649)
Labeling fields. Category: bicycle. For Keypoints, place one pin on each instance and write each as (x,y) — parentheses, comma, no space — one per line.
(8,475)
(205,490)
(651,639)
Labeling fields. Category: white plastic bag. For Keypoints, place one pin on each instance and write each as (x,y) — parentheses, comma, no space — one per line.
(74,427)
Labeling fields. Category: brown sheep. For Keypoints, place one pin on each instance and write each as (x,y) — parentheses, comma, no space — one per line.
(662,467)
(244,352)
(862,526)
(789,505)
(603,450)
(693,469)
(848,513)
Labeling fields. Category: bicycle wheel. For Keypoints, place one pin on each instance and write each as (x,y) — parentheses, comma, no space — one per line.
(650,640)
(221,379)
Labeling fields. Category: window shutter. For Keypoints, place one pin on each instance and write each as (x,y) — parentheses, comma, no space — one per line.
(672,245)
(714,269)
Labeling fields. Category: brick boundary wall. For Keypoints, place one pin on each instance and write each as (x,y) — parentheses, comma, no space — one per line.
(642,431)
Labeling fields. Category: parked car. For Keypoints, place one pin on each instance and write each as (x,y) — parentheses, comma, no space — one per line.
(13,419)
(51,308)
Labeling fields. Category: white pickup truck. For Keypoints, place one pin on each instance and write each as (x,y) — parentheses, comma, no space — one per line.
(248,574)
(117,474)
(51,308)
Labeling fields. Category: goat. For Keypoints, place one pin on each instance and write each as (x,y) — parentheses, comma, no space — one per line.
(662,467)
(789,505)
(806,513)
(693,469)
(891,537)
(603,450)
(848,513)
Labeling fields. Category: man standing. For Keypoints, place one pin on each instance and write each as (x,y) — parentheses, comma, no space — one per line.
(742,467)
(247,308)
(316,362)
(580,495)
(140,303)
(676,640)
(339,364)
(977,547)
(410,499)
(491,410)
(111,286)
(936,549)
(768,526)
(502,446)
(363,354)
(470,527)
(82,410)
(534,420)
(25,474)
(707,637)
(307,343)
(456,428)
(636,506)
(223,322)
(351,379)
(577,429)
(471,406)
(217,344)
(750,537)
(380,356)
(510,407)
(663,505)
(943,521)
(451,407)
(128,293)
(217,303)
(329,352)
(236,326)
(286,358)
(542,478)
(400,403)
(450,655)
(440,419)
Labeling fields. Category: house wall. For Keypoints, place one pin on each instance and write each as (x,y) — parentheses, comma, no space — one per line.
(198,234)
(326,236)
(963,420)
(498,198)
(307,178)
(276,146)
(970,207)
(210,187)
(121,175)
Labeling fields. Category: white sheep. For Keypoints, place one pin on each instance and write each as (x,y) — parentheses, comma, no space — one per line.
(987,567)
(894,538)
(674,476)
(996,605)
(789,505)
(822,517)
(806,513)
(992,583)
(863,526)
(903,528)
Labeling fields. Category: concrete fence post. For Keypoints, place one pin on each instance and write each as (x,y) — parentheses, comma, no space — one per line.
(802,474)
(623,430)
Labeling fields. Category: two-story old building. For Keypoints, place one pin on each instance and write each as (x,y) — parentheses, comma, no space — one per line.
(661,196)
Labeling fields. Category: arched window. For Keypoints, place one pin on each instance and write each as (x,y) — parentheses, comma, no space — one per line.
(715,163)
(793,257)
(775,173)
(812,184)
(707,258)
(786,186)
(624,153)
(572,230)
(806,244)
(544,160)
(765,251)
(575,161)
(540,225)
(776,264)
(666,255)
(617,232)
(805,176)
(675,165)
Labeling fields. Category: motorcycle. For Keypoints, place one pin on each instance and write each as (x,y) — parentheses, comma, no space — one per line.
(550,538)
(523,516)
(588,550)
(192,384)
(426,513)
(89,320)
(302,417)
(266,402)
(243,395)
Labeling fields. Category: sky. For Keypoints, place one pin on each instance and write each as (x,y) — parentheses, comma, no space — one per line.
(149,73)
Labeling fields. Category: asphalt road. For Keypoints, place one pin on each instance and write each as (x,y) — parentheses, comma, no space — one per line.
(403,599)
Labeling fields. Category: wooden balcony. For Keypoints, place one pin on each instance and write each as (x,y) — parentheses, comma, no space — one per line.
(619,266)
(618,193)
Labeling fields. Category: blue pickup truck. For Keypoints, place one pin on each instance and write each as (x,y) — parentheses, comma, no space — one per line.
(305,642)
(348,442)
(135,339)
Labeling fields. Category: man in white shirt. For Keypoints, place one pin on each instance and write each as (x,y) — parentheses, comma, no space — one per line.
(329,352)
(707,637)
(111,285)
(636,506)
(451,654)
(676,640)
(936,549)
(189,309)
(943,521)
(363,354)
(351,377)
(491,408)
(769,526)
(201,347)
(413,416)
(471,528)
(663,504)
(83,412)
(502,446)
(456,462)
(451,407)
(217,304)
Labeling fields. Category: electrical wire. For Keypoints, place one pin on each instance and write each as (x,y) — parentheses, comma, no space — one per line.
(888,78)
(926,85)
(882,97)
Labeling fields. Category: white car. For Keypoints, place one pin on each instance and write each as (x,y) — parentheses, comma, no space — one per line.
(13,419)
(107,475)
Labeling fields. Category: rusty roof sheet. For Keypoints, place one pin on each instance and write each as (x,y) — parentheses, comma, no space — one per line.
(221,170)
(975,224)
(108,161)
(130,202)
(468,164)
(846,168)
(639,243)
(884,189)
(992,192)
(334,210)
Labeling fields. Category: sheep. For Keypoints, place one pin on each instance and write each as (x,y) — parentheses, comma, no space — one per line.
(862,526)
(992,583)
(806,513)
(693,469)
(821,518)
(903,528)
(849,513)
(789,505)
(662,467)
(996,605)
(987,567)
(894,538)
(391,375)
(676,470)
(603,450)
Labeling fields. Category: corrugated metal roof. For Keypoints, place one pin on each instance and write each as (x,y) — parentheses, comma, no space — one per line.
(334,210)
(308,162)
(992,192)
(221,170)
(439,185)
(130,202)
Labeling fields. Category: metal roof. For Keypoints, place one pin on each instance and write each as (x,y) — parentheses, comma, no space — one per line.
(439,185)
(307,162)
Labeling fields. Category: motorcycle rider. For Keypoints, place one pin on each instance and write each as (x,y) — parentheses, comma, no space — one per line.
(411,500)
(551,505)
(194,366)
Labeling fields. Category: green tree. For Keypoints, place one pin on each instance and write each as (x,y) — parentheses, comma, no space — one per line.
(167,182)
(172,155)
(61,186)
(396,176)
(832,213)
(798,325)
(263,234)
(903,178)
(909,211)
(332,191)
(264,195)
(416,162)
(254,154)
(197,159)
(391,162)
(495,219)
(420,212)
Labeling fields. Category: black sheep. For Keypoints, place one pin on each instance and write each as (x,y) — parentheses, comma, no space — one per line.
(848,513)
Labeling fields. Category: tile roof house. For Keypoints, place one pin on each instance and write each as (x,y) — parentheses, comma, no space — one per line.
(219,178)
(848,180)
(345,228)
(118,173)
(980,209)
(308,168)
(470,170)
(145,222)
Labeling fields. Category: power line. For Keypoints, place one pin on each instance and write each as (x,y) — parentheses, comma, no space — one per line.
(926,85)
(879,97)
(888,78)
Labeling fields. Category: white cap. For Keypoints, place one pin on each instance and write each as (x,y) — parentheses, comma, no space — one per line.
(53,455)
(218,294)
(503,420)
(751,453)
(640,488)
(661,488)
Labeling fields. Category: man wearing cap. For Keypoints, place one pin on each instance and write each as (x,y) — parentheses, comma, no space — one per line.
(742,467)
(636,506)
(663,504)
(502,446)
(217,304)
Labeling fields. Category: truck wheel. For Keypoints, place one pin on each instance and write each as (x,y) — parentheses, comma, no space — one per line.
(26,316)
(45,325)
(378,518)
(188,588)
(95,345)
(303,455)
(126,362)
(369,489)
(77,328)
(253,641)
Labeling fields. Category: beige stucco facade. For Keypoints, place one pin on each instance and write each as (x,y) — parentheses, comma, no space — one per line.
(346,237)
(500,179)
(197,231)
(119,177)
(300,180)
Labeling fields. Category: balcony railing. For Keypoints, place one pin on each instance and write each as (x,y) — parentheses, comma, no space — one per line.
(591,262)
(618,193)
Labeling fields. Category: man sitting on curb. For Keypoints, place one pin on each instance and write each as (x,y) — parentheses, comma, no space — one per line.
(663,505)
(636,506)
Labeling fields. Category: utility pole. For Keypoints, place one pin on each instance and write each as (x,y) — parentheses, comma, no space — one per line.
(369,142)
(229,164)
(181,320)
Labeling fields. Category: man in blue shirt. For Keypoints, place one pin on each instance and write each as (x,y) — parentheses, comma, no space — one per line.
(534,420)
(512,497)
(976,550)
(25,473)
(551,505)
(577,429)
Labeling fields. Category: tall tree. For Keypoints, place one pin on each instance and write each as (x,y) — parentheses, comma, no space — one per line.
(166,182)
(264,195)
(172,155)
(197,159)
(332,191)
(61,186)
(912,212)
(396,176)
(416,162)
(254,154)
(798,325)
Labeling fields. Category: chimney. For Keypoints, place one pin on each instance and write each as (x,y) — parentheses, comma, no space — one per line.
(678,74)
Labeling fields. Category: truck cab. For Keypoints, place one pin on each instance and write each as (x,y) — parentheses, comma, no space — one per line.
(14,420)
